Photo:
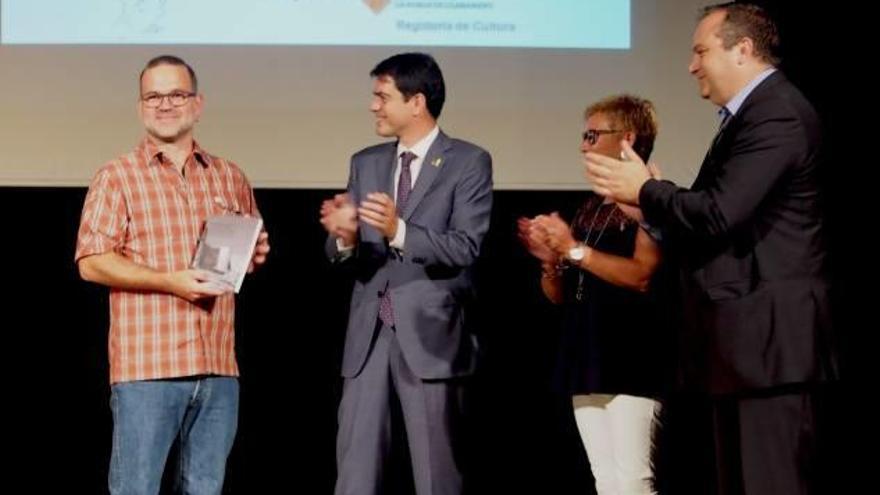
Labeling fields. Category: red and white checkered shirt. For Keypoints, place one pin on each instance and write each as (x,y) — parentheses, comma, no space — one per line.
(143,208)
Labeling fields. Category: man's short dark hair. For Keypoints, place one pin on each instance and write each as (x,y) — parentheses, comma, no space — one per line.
(415,73)
(743,20)
(171,60)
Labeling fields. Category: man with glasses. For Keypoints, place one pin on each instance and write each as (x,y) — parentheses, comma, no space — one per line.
(171,342)
(749,237)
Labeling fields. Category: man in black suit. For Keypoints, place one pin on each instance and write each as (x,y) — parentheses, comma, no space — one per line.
(411,224)
(748,236)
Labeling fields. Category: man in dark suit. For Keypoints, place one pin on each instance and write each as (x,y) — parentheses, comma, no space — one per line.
(748,235)
(411,222)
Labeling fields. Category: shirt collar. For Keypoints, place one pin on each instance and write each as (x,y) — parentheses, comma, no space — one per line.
(152,151)
(738,99)
(420,149)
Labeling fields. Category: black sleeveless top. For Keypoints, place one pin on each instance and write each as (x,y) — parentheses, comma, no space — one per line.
(613,340)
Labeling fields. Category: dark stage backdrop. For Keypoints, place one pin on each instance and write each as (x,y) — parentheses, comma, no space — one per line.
(291,318)
(290,325)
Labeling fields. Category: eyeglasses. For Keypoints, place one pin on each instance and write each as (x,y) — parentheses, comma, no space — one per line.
(592,135)
(177,99)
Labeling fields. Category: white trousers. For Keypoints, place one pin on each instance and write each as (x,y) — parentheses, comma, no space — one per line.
(617,432)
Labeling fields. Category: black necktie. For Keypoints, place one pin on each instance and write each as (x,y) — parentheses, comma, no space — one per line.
(725,119)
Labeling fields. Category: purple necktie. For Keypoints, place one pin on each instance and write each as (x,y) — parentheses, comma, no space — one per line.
(404,188)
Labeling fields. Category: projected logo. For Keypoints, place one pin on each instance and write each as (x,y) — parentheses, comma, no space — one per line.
(377,5)
(142,16)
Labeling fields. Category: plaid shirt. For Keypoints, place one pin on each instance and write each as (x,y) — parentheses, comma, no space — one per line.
(143,208)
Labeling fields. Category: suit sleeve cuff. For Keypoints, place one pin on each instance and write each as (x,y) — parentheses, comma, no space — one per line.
(400,236)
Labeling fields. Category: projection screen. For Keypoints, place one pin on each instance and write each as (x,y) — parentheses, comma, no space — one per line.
(287,86)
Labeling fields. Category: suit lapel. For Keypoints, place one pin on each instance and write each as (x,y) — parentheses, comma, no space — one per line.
(385,164)
(377,174)
(716,149)
(720,147)
(431,166)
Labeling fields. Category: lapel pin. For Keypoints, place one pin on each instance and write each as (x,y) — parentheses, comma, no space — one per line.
(437,161)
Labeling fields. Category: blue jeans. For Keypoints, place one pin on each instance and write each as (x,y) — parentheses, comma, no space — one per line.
(149,415)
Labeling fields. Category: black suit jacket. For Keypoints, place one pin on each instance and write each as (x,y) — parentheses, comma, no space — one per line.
(749,239)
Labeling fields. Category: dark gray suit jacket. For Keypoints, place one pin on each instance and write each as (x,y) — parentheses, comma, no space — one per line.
(446,217)
(749,238)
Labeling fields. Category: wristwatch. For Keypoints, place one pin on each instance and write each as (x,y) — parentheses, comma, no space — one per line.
(576,254)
